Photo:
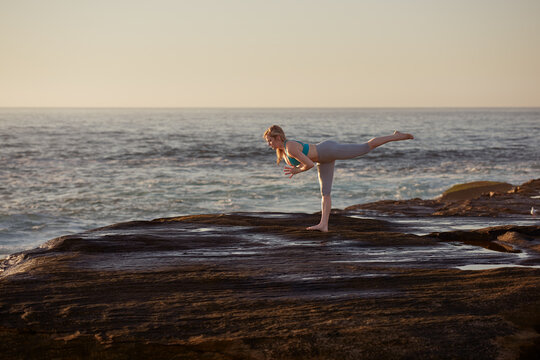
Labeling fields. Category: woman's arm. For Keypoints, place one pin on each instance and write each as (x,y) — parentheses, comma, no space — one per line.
(295,150)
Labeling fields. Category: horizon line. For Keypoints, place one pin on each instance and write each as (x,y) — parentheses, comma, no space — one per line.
(270,107)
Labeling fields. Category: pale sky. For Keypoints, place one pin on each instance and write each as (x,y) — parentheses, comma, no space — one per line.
(269,53)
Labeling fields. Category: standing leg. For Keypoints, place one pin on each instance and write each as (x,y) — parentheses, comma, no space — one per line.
(326,176)
(396,136)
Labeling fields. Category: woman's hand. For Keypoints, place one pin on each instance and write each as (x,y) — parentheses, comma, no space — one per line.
(290,171)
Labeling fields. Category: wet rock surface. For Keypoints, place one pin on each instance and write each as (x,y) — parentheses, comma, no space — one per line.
(260,286)
(497,200)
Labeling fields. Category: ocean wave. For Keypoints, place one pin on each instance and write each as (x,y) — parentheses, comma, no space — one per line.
(68,169)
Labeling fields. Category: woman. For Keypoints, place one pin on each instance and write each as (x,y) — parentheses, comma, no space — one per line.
(301,157)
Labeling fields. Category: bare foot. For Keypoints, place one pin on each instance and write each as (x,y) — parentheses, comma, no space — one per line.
(318,227)
(402,136)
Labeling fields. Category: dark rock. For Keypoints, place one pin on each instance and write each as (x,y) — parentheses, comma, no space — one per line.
(259,286)
(473,201)
(507,238)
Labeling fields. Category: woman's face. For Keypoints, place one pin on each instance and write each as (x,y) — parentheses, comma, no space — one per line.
(274,142)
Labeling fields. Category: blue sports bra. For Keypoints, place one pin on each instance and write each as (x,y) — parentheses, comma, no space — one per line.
(305,151)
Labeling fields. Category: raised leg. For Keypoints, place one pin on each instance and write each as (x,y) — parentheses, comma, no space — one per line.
(396,136)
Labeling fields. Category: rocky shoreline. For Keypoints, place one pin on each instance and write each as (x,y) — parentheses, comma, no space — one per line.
(259,286)
(489,200)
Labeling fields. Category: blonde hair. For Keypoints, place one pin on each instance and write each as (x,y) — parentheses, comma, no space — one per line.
(276,131)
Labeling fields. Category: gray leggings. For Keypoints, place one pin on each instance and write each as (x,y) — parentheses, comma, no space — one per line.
(329,151)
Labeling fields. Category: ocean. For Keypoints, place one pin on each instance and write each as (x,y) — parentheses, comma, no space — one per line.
(68,170)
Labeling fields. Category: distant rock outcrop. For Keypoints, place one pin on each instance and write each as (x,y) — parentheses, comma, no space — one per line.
(473,190)
(471,199)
